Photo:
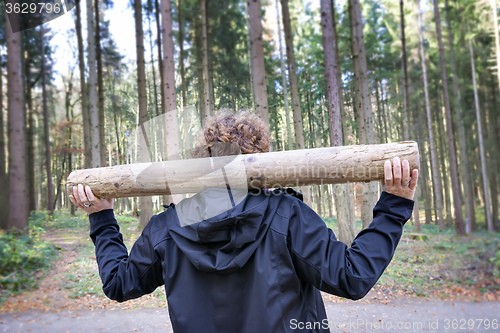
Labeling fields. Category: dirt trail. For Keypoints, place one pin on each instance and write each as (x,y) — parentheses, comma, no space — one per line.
(350,317)
(51,308)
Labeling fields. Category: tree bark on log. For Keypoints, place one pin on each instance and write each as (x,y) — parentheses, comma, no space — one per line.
(319,166)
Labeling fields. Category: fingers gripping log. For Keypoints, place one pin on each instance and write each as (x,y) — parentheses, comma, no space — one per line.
(319,166)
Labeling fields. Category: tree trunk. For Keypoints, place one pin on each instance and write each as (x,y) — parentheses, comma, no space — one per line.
(343,206)
(18,191)
(497,37)
(292,72)
(185,110)
(154,101)
(69,132)
(50,188)
(426,188)
(199,60)
(83,90)
(160,57)
(100,86)
(464,161)
(492,156)
(348,137)
(171,124)
(206,76)
(358,84)
(4,183)
(172,128)
(496,121)
(30,128)
(438,191)
(455,180)
(487,208)
(146,205)
(94,113)
(406,97)
(382,136)
(320,166)
(363,102)
(406,94)
(250,55)
(442,153)
(181,54)
(284,80)
(259,70)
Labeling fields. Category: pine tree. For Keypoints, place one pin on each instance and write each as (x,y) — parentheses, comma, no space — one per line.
(258,67)
(18,191)
(455,181)
(438,192)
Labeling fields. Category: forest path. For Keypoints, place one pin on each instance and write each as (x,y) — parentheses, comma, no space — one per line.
(413,316)
(54,307)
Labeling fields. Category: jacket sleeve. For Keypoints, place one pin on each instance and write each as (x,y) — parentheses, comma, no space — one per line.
(332,267)
(124,276)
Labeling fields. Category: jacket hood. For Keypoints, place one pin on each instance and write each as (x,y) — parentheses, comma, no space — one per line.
(225,242)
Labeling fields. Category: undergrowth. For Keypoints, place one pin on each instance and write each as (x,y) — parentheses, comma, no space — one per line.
(23,259)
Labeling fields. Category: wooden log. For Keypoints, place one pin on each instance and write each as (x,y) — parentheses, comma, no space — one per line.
(319,166)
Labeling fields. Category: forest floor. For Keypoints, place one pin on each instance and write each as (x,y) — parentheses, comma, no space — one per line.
(444,277)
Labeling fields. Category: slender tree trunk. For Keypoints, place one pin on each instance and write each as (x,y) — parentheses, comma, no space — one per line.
(206,76)
(363,102)
(4,183)
(160,57)
(438,191)
(18,191)
(170,117)
(348,139)
(157,107)
(487,208)
(495,128)
(146,205)
(259,71)
(347,231)
(495,120)
(455,180)
(382,136)
(346,128)
(284,80)
(69,132)
(181,54)
(405,72)
(185,110)
(199,60)
(292,72)
(50,187)
(494,9)
(94,113)
(83,90)
(100,85)
(387,129)
(492,156)
(358,85)
(424,170)
(406,97)
(442,155)
(250,55)
(464,161)
(30,128)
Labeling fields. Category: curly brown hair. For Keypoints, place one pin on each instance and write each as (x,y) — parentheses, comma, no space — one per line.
(230,134)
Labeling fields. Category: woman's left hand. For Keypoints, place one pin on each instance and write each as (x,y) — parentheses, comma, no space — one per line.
(398,179)
(84,198)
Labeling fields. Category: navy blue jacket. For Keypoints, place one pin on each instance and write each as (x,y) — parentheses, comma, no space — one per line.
(257,267)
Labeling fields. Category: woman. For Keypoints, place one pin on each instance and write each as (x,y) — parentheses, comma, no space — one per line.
(258,266)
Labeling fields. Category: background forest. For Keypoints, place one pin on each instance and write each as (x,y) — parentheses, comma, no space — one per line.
(327,74)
